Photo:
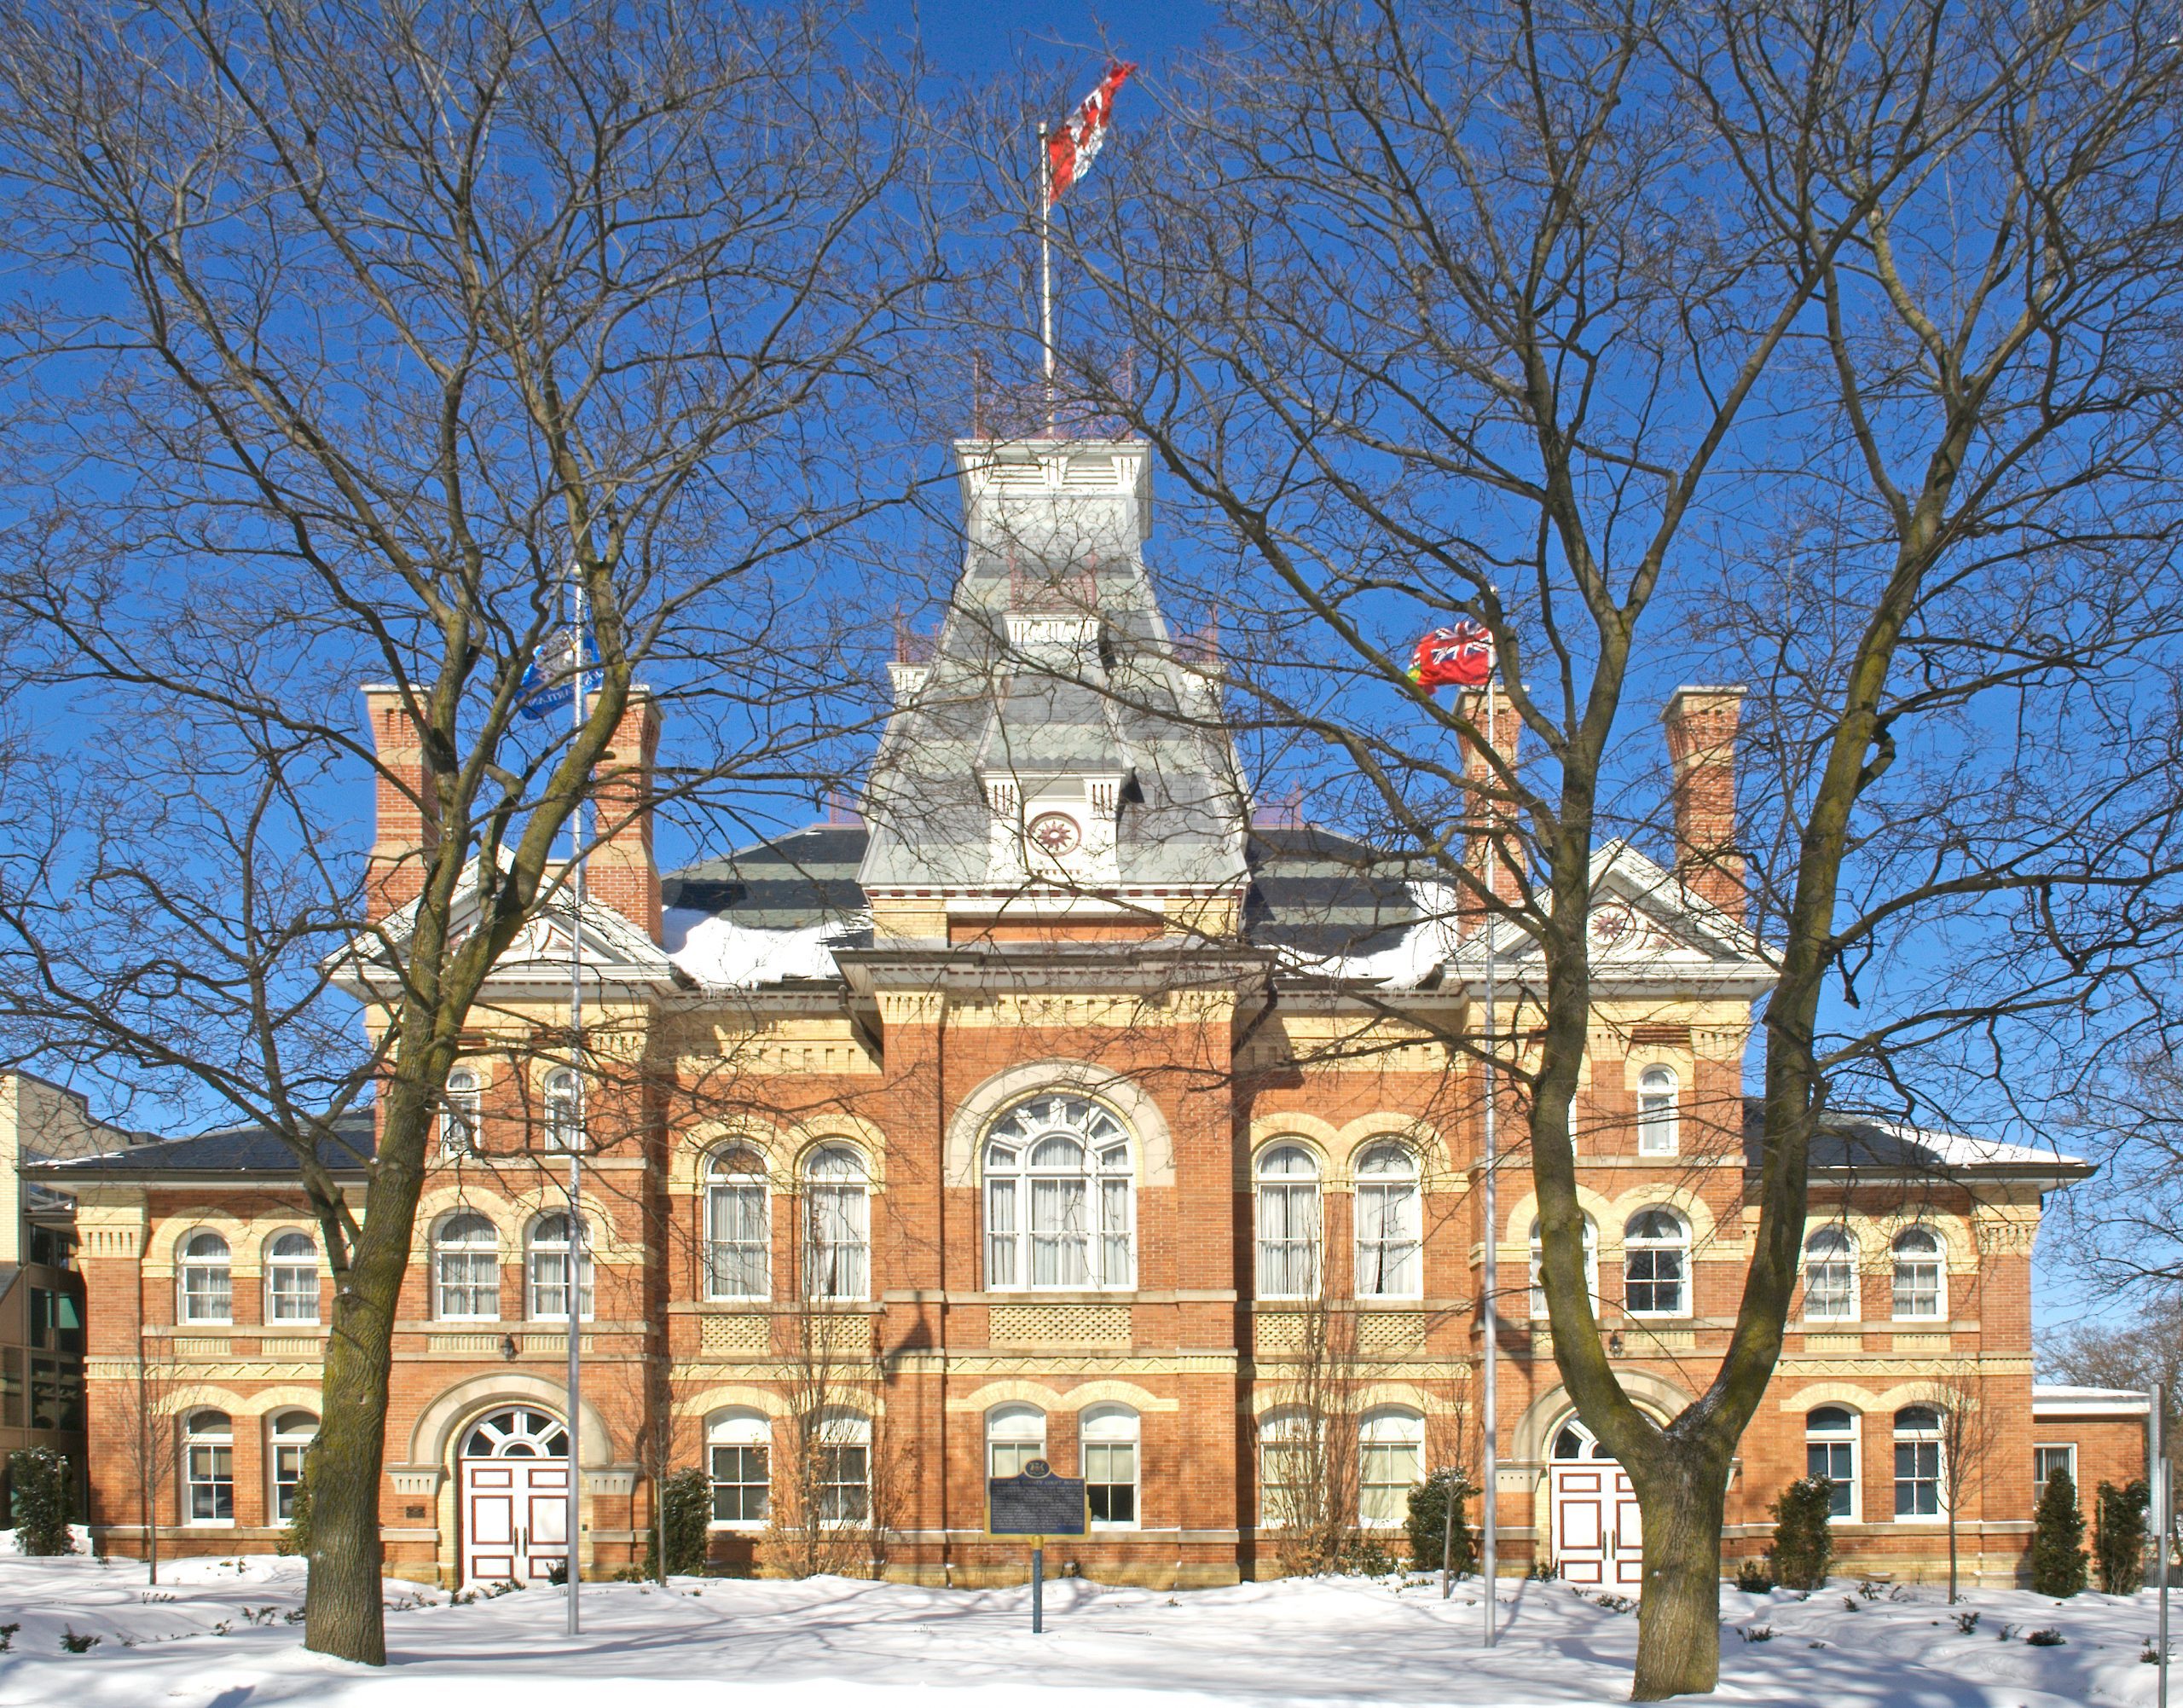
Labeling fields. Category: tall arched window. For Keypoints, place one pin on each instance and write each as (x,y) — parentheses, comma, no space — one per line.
(208,1467)
(841,1440)
(1060,1193)
(564,1111)
(553,1257)
(1830,1451)
(460,1113)
(1920,1274)
(1109,1438)
(837,1224)
(286,1442)
(1591,1267)
(1288,1224)
(292,1277)
(1390,1462)
(739,1446)
(206,1280)
(1831,1276)
(1917,1462)
(1390,1224)
(1015,1436)
(738,1243)
(467,1269)
(1657,1121)
(1656,1264)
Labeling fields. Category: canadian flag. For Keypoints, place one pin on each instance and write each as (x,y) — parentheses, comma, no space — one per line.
(1074,144)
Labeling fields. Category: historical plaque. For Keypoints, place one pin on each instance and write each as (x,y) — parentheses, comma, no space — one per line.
(1036,1503)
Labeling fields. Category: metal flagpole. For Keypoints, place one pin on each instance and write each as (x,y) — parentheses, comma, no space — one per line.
(1490,1419)
(2163,1524)
(572,1296)
(1047,268)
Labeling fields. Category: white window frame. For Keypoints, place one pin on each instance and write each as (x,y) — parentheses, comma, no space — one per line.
(1830,1438)
(286,1433)
(1389,1243)
(741,1266)
(569,1248)
(836,1224)
(205,1281)
(1537,1302)
(291,1279)
(1919,1436)
(1936,1260)
(739,1430)
(1048,1211)
(466,1255)
(202,1436)
(1658,1246)
(840,1431)
(1289,1432)
(1289,1212)
(1659,1115)
(1389,1439)
(560,1108)
(1842,1257)
(1015,1435)
(1108,1435)
(462,1114)
(2040,1474)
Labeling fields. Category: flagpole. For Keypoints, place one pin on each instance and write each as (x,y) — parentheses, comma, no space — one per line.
(572,1296)
(1489,1458)
(1047,268)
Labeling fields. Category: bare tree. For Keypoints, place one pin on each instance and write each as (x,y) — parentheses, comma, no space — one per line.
(355,346)
(1309,1458)
(151,1446)
(1970,1435)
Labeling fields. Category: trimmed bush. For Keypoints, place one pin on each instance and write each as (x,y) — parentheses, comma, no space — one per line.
(1428,1519)
(686,1508)
(42,1498)
(2118,1536)
(1804,1539)
(2057,1562)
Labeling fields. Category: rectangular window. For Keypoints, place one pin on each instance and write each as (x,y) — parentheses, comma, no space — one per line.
(1917,1287)
(1008,1458)
(1000,1234)
(211,1492)
(1387,1241)
(1917,1478)
(1289,1241)
(1110,1482)
(1061,1244)
(839,1250)
(735,1260)
(291,1296)
(469,1285)
(844,1485)
(2046,1461)
(13,1391)
(1655,1283)
(741,1486)
(56,1394)
(288,1477)
(206,1294)
(1390,1470)
(1836,1460)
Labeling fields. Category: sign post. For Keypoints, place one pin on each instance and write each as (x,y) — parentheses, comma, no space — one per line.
(2163,1524)
(1037,1504)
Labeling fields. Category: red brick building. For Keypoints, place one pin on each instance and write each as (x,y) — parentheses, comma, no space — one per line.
(1057,1109)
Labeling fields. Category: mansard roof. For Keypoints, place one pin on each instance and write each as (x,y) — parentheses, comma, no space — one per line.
(232,1150)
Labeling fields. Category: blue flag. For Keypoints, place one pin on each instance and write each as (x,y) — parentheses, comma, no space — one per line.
(549,684)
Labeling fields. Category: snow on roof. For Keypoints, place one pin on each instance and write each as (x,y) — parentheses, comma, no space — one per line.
(719,953)
(2061,1399)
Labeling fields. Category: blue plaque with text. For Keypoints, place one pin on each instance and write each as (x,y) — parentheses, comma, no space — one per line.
(1036,1503)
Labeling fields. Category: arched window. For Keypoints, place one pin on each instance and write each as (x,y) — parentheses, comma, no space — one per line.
(1919,1290)
(1390,1462)
(552,1258)
(1591,1267)
(564,1111)
(843,1441)
(1390,1224)
(1656,1122)
(207,1284)
(208,1467)
(286,1442)
(739,1445)
(460,1113)
(1109,1438)
(838,1224)
(1655,1265)
(1059,1196)
(292,1277)
(516,1432)
(1015,1436)
(467,1269)
(738,1244)
(1917,1462)
(1573,1441)
(1288,1224)
(1830,1451)
(1290,1476)
(1831,1276)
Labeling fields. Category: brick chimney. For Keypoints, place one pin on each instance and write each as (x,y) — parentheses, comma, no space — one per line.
(406,809)
(623,872)
(1508,728)
(1702,724)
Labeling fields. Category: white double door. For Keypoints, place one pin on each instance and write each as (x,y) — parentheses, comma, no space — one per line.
(515,1519)
(1598,1540)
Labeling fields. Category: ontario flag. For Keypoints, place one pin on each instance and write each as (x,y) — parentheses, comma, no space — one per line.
(1461,656)
(1072,145)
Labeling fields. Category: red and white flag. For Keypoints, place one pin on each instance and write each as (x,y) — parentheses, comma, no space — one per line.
(1072,145)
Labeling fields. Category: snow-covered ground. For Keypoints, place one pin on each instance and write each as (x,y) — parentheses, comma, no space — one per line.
(217,1635)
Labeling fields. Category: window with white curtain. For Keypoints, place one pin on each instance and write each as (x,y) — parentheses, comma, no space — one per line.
(1109,1437)
(1015,1436)
(739,1245)
(1657,1119)
(1289,1449)
(739,1450)
(552,1259)
(1656,1264)
(460,1113)
(1060,1193)
(286,1442)
(205,1275)
(1591,1267)
(467,1269)
(292,1277)
(1390,1224)
(1831,1276)
(1920,1274)
(838,1223)
(208,1468)
(1391,1452)
(1289,1222)
(564,1111)
(1830,1451)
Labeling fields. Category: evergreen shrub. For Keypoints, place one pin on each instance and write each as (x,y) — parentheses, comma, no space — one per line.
(2118,1536)
(41,1500)
(1427,1522)
(2057,1561)
(1804,1539)
(686,1508)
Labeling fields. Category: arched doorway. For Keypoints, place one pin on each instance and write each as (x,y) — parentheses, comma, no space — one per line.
(514,1466)
(1598,1538)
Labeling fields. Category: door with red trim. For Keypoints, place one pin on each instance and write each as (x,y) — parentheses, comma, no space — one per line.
(513,1483)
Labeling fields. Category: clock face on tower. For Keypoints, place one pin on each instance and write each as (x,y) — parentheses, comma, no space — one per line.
(1054,833)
